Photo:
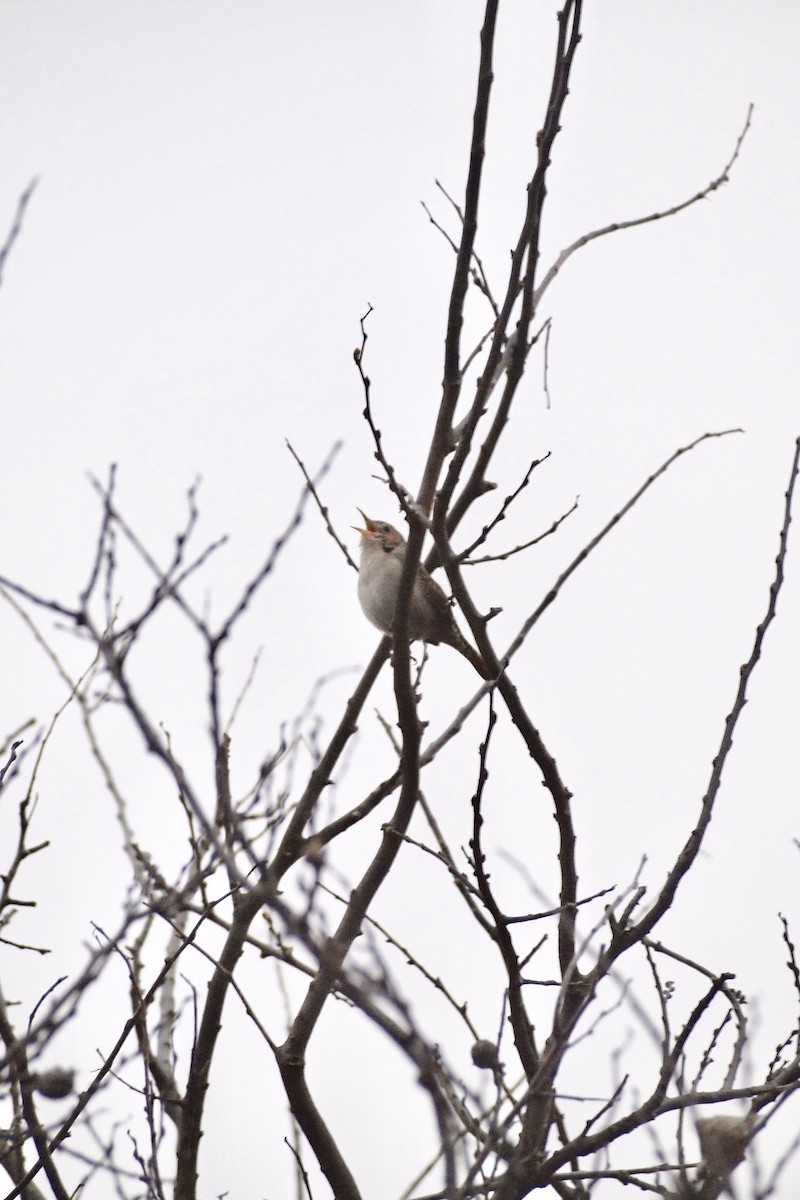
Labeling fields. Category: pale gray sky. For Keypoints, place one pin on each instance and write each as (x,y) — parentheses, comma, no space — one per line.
(223,189)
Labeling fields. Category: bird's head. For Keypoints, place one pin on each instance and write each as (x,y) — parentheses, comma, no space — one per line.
(379,533)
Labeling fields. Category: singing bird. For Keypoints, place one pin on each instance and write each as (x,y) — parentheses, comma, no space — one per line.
(430,617)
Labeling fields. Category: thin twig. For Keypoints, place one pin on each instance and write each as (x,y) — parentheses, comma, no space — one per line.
(598,538)
(465,555)
(324,511)
(16,225)
(636,221)
(506,554)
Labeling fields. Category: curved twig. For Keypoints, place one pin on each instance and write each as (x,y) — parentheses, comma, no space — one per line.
(617,226)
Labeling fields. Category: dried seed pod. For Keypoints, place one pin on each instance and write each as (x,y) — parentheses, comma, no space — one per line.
(484,1055)
(723,1141)
(55,1084)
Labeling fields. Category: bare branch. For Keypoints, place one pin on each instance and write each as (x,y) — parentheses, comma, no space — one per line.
(708,190)
(692,847)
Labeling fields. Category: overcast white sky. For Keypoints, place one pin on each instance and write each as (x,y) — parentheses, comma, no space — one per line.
(224,188)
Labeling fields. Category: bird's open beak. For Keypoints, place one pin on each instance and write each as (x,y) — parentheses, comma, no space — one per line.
(370,524)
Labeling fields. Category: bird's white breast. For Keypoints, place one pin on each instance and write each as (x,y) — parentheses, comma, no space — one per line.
(378,581)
